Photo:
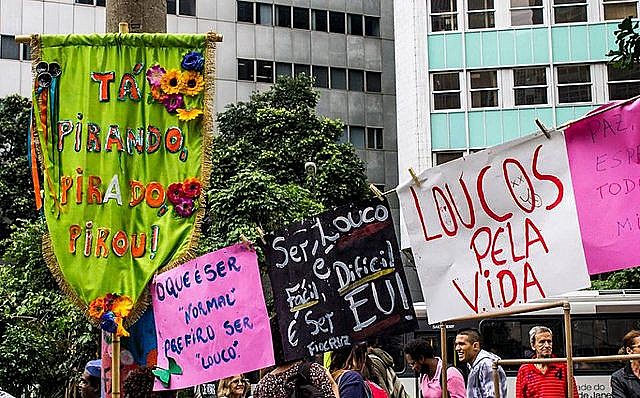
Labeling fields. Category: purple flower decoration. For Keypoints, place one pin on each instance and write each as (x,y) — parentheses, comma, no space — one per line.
(108,322)
(193,61)
(154,74)
(173,102)
(185,207)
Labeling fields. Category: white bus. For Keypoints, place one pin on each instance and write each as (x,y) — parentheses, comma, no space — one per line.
(599,321)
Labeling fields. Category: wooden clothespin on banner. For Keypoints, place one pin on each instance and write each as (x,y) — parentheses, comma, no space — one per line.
(376,192)
(261,233)
(543,128)
(246,242)
(414,176)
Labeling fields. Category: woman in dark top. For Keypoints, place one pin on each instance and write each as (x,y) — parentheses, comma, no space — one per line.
(347,366)
(625,382)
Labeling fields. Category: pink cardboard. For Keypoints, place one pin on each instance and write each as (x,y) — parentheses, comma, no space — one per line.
(211,317)
(604,159)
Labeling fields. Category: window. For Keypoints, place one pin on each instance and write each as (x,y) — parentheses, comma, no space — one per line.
(566,11)
(444,15)
(264,71)
(264,14)
(319,20)
(283,16)
(481,14)
(245,11)
(619,9)
(374,138)
(26,52)
(300,18)
(444,157)
(530,86)
(336,22)
(84,2)
(372,26)
(446,90)
(356,136)
(100,3)
(171,7)
(356,80)
(320,76)
(245,69)
(338,78)
(283,69)
(188,7)
(574,83)
(354,24)
(9,49)
(299,69)
(374,84)
(526,12)
(483,88)
(623,84)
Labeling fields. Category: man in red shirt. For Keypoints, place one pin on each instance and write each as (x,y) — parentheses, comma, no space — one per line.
(548,380)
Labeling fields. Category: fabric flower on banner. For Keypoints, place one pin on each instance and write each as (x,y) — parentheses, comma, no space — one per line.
(174,193)
(157,94)
(193,61)
(185,208)
(184,196)
(192,187)
(172,102)
(110,310)
(192,83)
(154,75)
(186,115)
(171,82)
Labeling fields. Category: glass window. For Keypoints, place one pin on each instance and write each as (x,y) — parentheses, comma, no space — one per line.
(245,11)
(84,2)
(320,76)
(26,52)
(336,22)
(354,24)
(356,80)
(374,83)
(319,20)
(300,18)
(283,69)
(530,86)
(444,157)
(372,26)
(481,14)
(101,3)
(264,71)
(188,7)
(484,88)
(444,15)
(245,69)
(264,14)
(9,49)
(566,11)
(374,138)
(623,84)
(356,136)
(300,68)
(574,83)
(339,78)
(171,7)
(526,12)
(446,90)
(283,16)
(619,9)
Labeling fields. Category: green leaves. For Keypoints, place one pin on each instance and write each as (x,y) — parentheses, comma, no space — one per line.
(628,52)
(164,375)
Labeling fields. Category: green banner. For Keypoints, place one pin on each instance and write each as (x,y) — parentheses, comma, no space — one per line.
(123,124)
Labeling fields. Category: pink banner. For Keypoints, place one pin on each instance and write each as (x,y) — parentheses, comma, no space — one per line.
(211,317)
(604,158)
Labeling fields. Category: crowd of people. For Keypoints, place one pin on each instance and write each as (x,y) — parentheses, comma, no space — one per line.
(366,371)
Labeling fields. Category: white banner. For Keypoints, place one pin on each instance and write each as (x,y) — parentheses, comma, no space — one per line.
(495,229)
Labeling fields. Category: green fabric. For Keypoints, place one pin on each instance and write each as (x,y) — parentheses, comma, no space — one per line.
(76,93)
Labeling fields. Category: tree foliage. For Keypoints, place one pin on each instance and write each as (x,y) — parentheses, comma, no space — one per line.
(628,53)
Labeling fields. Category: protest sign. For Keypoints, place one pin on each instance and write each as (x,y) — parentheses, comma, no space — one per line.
(604,154)
(211,317)
(495,229)
(337,278)
(122,143)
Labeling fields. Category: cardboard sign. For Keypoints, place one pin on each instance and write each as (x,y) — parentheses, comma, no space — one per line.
(211,317)
(495,229)
(604,156)
(338,278)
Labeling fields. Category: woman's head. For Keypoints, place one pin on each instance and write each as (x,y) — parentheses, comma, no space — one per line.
(350,358)
(233,387)
(631,342)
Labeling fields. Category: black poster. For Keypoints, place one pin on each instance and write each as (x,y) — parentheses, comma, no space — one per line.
(337,278)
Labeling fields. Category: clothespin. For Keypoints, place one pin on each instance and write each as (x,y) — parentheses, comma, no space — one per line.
(376,192)
(414,177)
(246,242)
(261,233)
(543,128)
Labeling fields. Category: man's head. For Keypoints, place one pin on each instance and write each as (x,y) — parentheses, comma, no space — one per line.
(90,380)
(418,353)
(541,339)
(467,345)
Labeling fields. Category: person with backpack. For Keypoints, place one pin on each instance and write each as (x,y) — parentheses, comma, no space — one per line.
(480,363)
(421,357)
(383,373)
(351,369)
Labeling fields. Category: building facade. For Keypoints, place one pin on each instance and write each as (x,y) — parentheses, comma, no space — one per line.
(476,73)
(347,45)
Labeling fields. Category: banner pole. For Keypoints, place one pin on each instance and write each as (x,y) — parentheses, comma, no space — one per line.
(115,367)
(443,352)
(568,347)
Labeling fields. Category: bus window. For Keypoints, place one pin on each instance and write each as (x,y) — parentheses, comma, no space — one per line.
(394,346)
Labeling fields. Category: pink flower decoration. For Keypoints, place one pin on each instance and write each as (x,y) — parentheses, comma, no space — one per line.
(173,102)
(185,208)
(175,193)
(154,74)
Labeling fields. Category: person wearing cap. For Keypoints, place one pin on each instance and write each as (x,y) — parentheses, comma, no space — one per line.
(90,380)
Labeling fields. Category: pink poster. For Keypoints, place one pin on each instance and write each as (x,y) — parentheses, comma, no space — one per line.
(211,318)
(604,158)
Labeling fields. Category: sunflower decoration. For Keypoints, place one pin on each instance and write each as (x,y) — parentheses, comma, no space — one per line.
(110,310)
(180,91)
